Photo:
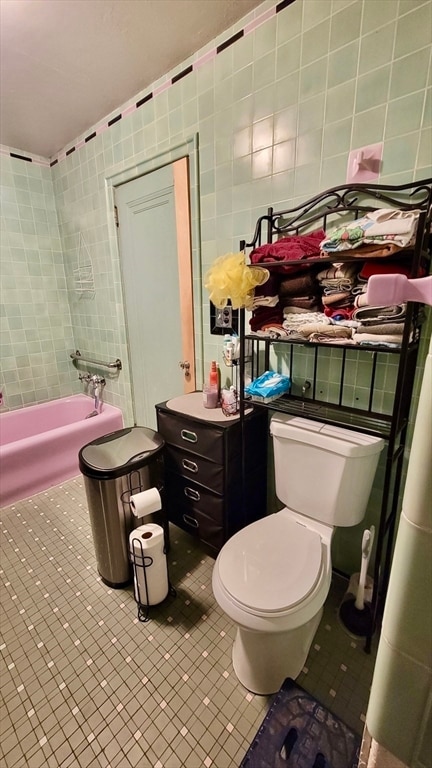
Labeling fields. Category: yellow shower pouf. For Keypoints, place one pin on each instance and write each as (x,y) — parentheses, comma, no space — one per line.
(230,278)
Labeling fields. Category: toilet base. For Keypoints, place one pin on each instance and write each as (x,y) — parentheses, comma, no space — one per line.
(262,661)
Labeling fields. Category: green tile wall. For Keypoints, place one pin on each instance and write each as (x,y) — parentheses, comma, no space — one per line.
(36,328)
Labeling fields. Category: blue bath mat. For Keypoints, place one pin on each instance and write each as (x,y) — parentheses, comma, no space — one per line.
(298,732)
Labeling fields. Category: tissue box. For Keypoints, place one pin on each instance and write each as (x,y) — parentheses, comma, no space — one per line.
(268,387)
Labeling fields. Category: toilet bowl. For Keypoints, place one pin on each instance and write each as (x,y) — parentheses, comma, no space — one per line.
(273,576)
(272,579)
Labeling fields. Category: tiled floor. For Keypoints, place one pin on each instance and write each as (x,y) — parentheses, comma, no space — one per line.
(84,683)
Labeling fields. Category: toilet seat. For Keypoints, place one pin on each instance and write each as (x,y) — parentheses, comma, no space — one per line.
(271,565)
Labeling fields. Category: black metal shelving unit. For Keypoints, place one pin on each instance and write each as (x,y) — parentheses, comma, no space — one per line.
(352,201)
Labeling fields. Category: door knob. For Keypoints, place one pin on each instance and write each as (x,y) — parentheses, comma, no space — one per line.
(184,364)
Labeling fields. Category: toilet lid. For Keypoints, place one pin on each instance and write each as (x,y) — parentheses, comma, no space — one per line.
(271,565)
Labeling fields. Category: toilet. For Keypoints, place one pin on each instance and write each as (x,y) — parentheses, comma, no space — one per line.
(273,576)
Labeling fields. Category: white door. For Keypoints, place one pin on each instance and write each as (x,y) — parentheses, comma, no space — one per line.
(155,253)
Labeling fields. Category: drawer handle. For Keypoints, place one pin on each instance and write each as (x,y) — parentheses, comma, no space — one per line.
(190,437)
(191,466)
(191,493)
(191,521)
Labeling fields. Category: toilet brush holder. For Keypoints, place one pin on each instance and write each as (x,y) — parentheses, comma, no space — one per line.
(357,622)
(355,612)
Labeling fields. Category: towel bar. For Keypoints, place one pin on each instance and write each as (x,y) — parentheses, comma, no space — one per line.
(77,356)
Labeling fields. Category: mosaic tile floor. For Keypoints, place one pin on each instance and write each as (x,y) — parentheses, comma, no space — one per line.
(83,683)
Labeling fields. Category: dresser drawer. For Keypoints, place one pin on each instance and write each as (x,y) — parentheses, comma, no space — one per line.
(195,468)
(196,498)
(205,440)
(198,524)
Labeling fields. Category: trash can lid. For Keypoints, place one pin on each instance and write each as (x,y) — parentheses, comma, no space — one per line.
(119,452)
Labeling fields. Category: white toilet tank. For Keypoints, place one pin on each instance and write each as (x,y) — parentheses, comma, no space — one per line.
(323,471)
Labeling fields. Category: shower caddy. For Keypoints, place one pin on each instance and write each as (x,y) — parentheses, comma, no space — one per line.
(305,398)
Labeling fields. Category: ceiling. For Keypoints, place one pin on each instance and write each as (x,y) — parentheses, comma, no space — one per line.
(66,64)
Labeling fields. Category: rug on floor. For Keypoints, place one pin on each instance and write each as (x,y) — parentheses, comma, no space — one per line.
(298,731)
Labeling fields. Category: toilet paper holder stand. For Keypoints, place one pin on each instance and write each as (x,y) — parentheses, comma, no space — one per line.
(141,562)
(135,486)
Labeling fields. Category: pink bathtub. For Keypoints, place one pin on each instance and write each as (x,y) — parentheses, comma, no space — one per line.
(39,444)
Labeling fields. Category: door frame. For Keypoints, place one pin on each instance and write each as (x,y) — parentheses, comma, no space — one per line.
(128,171)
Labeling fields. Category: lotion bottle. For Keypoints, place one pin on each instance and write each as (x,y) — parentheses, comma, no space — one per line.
(211,389)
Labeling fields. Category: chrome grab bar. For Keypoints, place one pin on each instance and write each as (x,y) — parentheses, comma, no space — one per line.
(77,356)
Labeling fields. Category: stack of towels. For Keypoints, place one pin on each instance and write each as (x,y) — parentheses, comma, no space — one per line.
(339,285)
(380,326)
(300,290)
(307,303)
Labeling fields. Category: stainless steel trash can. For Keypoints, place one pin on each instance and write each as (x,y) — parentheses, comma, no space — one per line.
(115,467)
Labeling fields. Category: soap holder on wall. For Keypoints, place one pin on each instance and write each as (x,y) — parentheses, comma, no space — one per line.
(364,163)
(83,273)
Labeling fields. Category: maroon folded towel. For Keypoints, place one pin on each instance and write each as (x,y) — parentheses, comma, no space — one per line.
(292,248)
(370,268)
(264,316)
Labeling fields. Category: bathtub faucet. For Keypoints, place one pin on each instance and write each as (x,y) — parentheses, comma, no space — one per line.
(98,383)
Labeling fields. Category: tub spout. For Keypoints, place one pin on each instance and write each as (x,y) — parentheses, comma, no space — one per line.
(305,387)
(98,383)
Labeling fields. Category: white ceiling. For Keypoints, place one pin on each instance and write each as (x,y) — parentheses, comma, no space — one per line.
(66,64)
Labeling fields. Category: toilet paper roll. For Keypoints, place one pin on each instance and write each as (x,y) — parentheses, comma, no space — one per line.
(146,502)
(146,546)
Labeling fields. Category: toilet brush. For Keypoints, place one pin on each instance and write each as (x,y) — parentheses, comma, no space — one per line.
(354,612)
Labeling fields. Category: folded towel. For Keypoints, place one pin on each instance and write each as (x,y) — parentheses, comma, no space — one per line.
(374,315)
(337,286)
(370,251)
(361,300)
(321,338)
(342,299)
(372,340)
(298,285)
(370,268)
(380,343)
(329,331)
(265,315)
(287,249)
(273,331)
(292,322)
(298,318)
(303,302)
(339,271)
(300,311)
(265,301)
(380,328)
(382,227)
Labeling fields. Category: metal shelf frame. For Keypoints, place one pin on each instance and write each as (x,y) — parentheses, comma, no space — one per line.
(352,201)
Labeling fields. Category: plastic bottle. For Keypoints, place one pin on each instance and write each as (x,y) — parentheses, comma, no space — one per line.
(211,388)
(213,376)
